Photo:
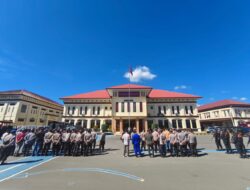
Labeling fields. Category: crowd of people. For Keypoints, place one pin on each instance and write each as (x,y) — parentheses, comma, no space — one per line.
(42,142)
(228,138)
(175,142)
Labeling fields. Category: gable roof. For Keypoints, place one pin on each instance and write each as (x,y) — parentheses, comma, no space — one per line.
(100,94)
(131,86)
(30,94)
(222,104)
(169,94)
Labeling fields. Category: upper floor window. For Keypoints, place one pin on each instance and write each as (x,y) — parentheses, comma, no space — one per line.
(159,109)
(186,109)
(81,110)
(98,110)
(86,110)
(68,110)
(173,110)
(191,109)
(141,107)
(134,106)
(73,110)
(23,108)
(117,107)
(93,111)
(122,109)
(164,109)
(178,109)
(128,106)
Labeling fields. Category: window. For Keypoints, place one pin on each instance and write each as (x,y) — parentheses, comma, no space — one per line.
(115,94)
(41,120)
(191,109)
(81,110)
(166,124)
(122,106)
(12,104)
(160,123)
(180,124)
(174,124)
(151,107)
(98,110)
(141,107)
(186,109)
(86,110)
(117,107)
(32,120)
(134,106)
(164,109)
(68,110)
(128,106)
(106,108)
(73,110)
(178,109)
(52,110)
(173,110)
(34,107)
(20,120)
(23,108)
(188,125)
(93,111)
(194,124)
(159,109)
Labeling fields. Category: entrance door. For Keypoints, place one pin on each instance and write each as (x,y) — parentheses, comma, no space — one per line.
(126,124)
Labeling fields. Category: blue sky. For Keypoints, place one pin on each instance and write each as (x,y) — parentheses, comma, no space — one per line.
(60,47)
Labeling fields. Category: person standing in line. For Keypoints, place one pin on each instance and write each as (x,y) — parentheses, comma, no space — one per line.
(172,139)
(126,141)
(83,145)
(29,140)
(143,142)
(217,138)
(102,142)
(88,141)
(8,146)
(193,143)
(149,142)
(47,142)
(72,142)
(39,142)
(162,141)
(19,142)
(56,143)
(167,132)
(66,142)
(94,136)
(156,140)
(136,140)
(176,143)
(183,142)
(226,141)
(77,143)
(240,145)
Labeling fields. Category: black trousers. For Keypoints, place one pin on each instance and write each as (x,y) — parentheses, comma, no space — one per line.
(218,144)
(56,149)
(150,150)
(46,148)
(5,153)
(193,149)
(156,146)
(101,146)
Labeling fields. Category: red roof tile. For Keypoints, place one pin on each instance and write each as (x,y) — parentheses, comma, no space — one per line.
(100,94)
(168,94)
(221,104)
(131,86)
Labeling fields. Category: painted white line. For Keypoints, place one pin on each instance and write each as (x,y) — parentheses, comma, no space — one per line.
(27,169)
(1,171)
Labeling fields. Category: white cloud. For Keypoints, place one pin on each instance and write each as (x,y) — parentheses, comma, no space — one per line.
(243,98)
(140,73)
(239,98)
(181,87)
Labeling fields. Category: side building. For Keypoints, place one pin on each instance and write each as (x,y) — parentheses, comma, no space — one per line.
(224,113)
(132,105)
(24,108)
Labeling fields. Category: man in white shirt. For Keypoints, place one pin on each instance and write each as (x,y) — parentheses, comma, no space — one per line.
(126,141)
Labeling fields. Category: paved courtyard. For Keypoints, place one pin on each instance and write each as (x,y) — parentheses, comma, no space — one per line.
(210,171)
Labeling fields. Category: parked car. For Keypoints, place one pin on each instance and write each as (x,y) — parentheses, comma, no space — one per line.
(210,130)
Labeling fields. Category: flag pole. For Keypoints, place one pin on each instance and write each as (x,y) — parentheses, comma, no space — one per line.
(129,122)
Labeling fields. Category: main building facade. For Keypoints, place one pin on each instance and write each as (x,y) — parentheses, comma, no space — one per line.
(132,105)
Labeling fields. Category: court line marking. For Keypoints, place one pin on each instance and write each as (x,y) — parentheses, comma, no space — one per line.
(2,180)
(1,171)
(99,170)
